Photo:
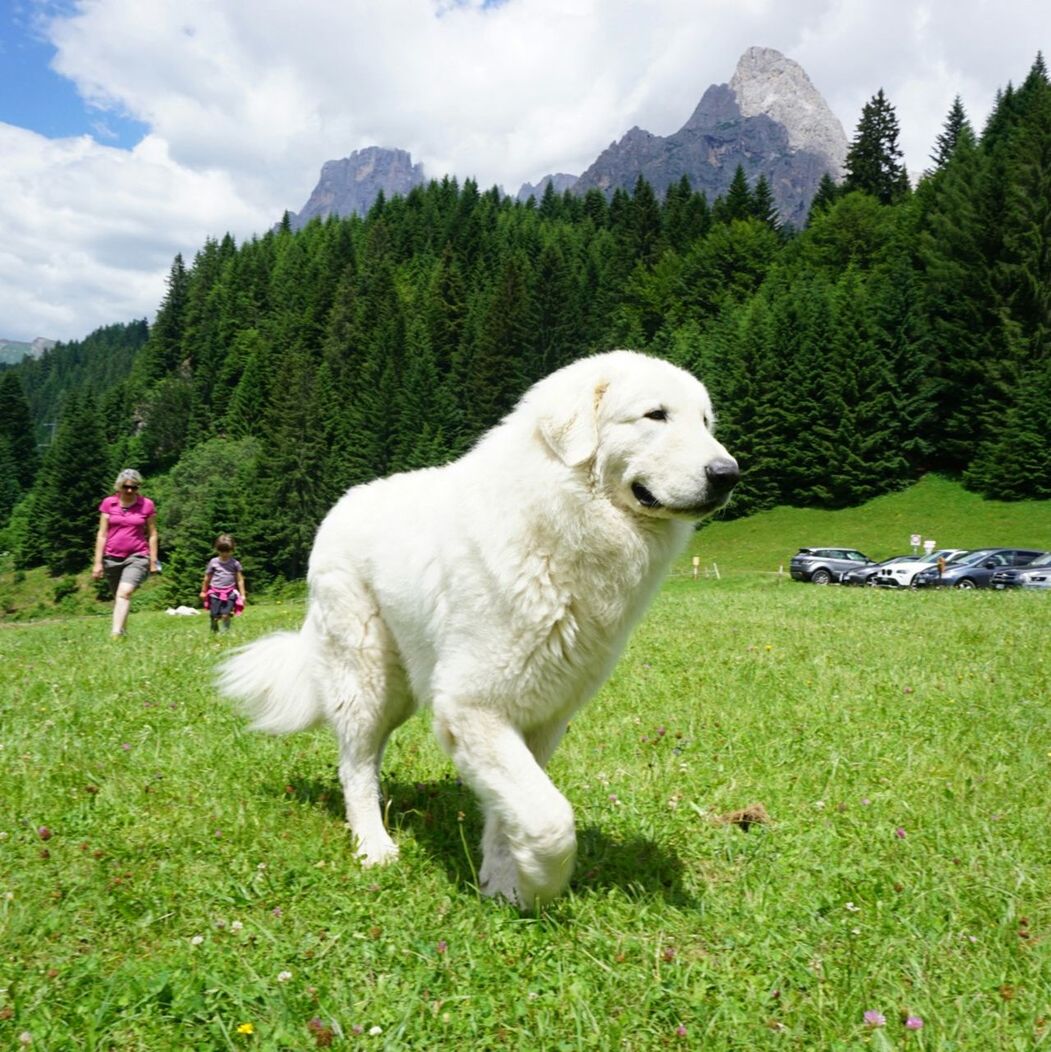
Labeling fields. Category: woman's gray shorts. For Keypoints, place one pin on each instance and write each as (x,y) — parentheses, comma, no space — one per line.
(133,570)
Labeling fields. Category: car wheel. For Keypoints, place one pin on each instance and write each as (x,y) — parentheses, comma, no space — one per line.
(965,582)
(821,576)
(871,582)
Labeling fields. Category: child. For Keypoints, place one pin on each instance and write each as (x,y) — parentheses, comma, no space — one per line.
(223,590)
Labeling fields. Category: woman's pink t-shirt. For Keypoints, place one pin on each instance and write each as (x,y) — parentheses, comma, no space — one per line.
(127,526)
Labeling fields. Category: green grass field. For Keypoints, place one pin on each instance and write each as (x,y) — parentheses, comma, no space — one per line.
(170,881)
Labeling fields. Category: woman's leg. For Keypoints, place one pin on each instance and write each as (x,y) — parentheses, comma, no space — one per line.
(121,607)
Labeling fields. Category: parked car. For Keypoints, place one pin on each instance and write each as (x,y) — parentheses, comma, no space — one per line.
(902,572)
(975,569)
(823,565)
(866,575)
(1036,574)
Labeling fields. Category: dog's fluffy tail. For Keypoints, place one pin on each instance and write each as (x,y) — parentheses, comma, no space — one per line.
(271,679)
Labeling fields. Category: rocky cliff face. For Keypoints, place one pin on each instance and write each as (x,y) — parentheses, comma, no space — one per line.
(350,185)
(769,119)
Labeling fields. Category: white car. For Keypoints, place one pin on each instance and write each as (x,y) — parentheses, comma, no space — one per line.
(900,574)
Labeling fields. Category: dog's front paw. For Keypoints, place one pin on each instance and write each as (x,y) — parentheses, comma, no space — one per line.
(376,852)
(497,878)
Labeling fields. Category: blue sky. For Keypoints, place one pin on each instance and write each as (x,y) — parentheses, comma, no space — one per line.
(34,96)
(132,130)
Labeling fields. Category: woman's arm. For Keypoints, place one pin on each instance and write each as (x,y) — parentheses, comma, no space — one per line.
(151,529)
(100,544)
(241,584)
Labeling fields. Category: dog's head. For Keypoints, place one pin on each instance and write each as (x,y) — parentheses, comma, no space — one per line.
(643,428)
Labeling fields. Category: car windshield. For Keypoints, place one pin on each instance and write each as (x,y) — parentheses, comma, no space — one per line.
(1040,560)
(975,557)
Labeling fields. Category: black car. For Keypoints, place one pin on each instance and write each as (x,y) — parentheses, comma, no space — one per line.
(822,565)
(975,569)
(866,575)
(1025,576)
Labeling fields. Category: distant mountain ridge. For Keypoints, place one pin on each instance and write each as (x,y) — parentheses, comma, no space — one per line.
(13,351)
(769,119)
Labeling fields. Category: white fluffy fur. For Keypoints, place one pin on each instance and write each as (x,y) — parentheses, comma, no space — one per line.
(499,590)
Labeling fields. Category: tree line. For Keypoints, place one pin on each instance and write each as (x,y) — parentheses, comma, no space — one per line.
(901,331)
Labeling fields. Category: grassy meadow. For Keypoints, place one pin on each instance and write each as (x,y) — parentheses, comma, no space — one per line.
(796,805)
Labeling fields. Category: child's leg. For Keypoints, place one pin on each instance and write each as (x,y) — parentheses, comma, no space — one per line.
(213,609)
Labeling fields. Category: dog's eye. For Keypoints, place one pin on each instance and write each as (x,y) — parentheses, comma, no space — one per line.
(657,414)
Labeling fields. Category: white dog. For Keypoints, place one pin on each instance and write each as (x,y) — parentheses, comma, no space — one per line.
(500,590)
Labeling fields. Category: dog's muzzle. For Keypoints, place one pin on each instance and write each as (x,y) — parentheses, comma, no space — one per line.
(720,477)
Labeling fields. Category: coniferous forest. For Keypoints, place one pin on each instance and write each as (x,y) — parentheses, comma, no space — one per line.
(903,330)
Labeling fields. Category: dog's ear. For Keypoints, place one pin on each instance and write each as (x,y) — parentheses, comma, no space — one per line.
(569,423)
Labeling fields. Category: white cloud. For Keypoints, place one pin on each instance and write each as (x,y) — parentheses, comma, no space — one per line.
(245,101)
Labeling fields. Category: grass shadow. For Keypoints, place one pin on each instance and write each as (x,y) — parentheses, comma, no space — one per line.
(443,819)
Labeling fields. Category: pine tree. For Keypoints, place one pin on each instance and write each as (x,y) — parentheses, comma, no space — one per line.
(16,428)
(956,127)
(163,352)
(874,159)
(10,490)
(764,208)
(828,192)
(737,203)
(73,479)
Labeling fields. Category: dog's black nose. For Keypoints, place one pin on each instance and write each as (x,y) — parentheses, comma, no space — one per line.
(723,474)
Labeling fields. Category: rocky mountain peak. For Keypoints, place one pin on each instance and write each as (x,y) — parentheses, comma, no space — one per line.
(766,82)
(351,184)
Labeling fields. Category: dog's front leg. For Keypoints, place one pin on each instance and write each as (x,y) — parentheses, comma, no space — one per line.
(529,831)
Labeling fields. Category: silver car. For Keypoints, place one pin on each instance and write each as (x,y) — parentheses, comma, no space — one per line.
(824,565)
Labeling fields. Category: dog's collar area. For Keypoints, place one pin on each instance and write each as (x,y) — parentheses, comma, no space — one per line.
(643,496)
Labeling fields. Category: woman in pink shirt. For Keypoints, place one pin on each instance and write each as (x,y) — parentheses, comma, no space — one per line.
(126,544)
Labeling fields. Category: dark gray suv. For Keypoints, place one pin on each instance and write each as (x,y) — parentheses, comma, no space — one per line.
(823,565)
(975,569)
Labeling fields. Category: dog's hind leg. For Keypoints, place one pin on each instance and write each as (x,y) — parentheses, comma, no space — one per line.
(529,823)
(365,697)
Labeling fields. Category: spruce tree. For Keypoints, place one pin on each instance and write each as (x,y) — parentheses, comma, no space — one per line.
(737,202)
(874,160)
(826,196)
(10,490)
(16,428)
(956,127)
(74,477)
(764,208)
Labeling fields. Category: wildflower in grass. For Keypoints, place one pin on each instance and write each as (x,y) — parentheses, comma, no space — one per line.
(613,798)
(874,1018)
(375,1031)
(851,908)
(25,1038)
(44,833)
(283,977)
(125,746)
(668,953)
(442,946)
(913,1022)
(899,833)
(276,911)
(246,1028)
(357,1029)
(680,1030)
(236,926)
(197,940)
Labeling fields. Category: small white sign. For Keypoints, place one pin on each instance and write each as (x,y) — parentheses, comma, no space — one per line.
(916,540)
(928,546)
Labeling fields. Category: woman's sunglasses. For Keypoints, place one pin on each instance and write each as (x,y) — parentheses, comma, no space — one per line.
(129,489)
